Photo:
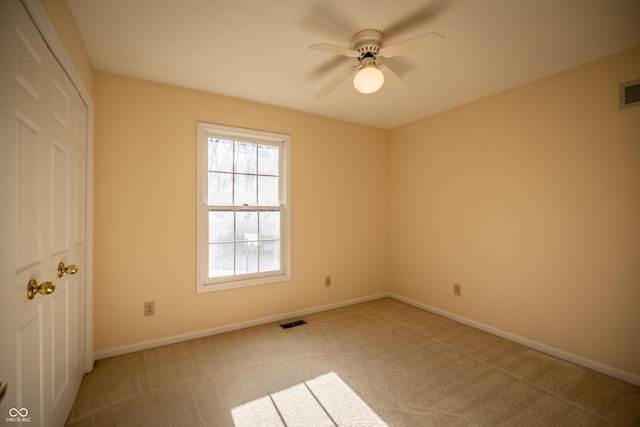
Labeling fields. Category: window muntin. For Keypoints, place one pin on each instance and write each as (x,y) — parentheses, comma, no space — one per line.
(243,224)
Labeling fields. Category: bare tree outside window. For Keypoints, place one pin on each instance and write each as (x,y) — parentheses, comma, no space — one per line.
(245,208)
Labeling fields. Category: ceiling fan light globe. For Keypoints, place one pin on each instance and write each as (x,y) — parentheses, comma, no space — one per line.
(368,80)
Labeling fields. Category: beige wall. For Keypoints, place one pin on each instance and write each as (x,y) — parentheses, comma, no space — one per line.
(145,229)
(530,199)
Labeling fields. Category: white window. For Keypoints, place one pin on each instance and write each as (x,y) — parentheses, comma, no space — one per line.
(243,207)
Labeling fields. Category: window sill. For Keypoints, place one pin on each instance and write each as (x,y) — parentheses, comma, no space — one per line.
(220,286)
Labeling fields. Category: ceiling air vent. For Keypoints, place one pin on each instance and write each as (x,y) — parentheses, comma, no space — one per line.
(630,94)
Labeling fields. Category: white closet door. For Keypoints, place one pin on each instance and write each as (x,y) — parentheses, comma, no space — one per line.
(43,183)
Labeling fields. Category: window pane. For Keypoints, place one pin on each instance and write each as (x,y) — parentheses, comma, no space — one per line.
(270,255)
(268,190)
(246,153)
(247,258)
(247,225)
(246,190)
(221,260)
(268,160)
(220,190)
(220,155)
(269,225)
(221,226)
(243,175)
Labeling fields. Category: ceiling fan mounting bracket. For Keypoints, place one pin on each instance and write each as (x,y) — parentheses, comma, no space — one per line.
(367,42)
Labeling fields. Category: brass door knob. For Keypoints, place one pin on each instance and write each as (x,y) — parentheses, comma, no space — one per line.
(69,269)
(45,288)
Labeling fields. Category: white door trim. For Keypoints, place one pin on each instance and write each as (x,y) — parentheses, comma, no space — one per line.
(39,16)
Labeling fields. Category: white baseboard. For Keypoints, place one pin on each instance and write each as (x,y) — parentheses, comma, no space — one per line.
(118,351)
(599,367)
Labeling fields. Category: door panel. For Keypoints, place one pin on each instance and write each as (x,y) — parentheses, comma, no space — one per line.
(60,109)
(43,206)
(28,150)
(77,320)
(29,369)
(29,66)
(80,179)
(59,181)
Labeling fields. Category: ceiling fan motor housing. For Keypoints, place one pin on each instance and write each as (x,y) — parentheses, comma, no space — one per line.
(367,42)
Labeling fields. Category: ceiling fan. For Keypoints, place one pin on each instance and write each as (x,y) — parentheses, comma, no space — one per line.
(367,46)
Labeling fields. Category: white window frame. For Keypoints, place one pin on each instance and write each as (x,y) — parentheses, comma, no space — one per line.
(204,284)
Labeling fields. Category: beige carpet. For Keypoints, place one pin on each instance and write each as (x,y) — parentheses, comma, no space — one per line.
(377,363)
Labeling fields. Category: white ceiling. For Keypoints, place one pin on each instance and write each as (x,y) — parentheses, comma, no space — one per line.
(258,49)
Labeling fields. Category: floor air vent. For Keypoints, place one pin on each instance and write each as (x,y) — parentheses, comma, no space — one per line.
(292,324)
(630,94)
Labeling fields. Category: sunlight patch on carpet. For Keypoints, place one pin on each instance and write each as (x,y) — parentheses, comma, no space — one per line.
(322,401)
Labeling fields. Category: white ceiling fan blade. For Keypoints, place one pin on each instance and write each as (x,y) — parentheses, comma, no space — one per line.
(395,83)
(333,84)
(415,44)
(324,47)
